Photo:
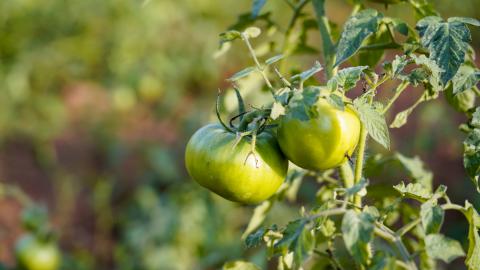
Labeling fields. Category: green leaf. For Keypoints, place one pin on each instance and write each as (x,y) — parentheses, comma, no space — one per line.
(257,6)
(414,190)
(357,229)
(475,122)
(432,217)
(401,117)
(447,43)
(346,78)
(471,21)
(274,59)
(360,186)
(372,57)
(435,72)
(471,155)
(473,254)
(374,122)
(242,73)
(341,255)
(441,247)
(277,110)
(336,101)
(302,103)
(230,36)
(356,30)
(317,67)
(291,235)
(466,78)
(258,217)
(254,239)
(400,26)
(240,265)
(415,168)
(398,64)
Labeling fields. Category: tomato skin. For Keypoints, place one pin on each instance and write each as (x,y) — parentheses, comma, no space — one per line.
(33,254)
(322,142)
(215,163)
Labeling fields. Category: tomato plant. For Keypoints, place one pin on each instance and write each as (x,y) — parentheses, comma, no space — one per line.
(324,116)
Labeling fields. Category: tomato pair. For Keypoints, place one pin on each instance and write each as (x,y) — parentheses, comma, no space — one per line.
(223,163)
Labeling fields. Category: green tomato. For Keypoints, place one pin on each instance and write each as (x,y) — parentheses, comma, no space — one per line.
(322,142)
(215,162)
(34,254)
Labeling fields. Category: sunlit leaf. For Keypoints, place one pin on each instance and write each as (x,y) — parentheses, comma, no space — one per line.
(356,30)
(443,248)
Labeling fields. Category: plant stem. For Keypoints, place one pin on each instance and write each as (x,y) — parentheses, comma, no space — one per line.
(403,230)
(387,234)
(346,174)
(328,212)
(381,46)
(260,68)
(325,33)
(359,161)
(296,13)
(400,88)
(7,190)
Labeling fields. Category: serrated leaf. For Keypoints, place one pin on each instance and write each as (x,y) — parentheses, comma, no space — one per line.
(302,103)
(374,122)
(240,265)
(416,170)
(358,187)
(336,101)
(471,156)
(242,73)
(356,30)
(357,229)
(432,217)
(372,57)
(475,122)
(346,78)
(317,67)
(274,59)
(291,235)
(466,20)
(414,190)
(447,43)
(435,71)
(229,36)
(277,110)
(398,64)
(257,6)
(466,78)
(255,238)
(443,248)
(473,254)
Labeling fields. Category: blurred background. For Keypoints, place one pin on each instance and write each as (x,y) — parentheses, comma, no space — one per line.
(98,100)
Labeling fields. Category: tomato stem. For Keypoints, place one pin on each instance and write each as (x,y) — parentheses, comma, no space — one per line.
(359,161)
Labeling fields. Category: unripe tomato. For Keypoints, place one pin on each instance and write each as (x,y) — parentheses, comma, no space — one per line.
(34,254)
(215,162)
(323,141)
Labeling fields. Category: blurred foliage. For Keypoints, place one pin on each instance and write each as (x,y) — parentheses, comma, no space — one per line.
(103,95)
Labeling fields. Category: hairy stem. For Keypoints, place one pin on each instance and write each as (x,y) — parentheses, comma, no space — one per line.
(260,68)
(359,161)
(400,88)
(387,234)
(346,174)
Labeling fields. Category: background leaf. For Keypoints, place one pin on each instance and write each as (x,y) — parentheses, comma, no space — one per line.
(356,30)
